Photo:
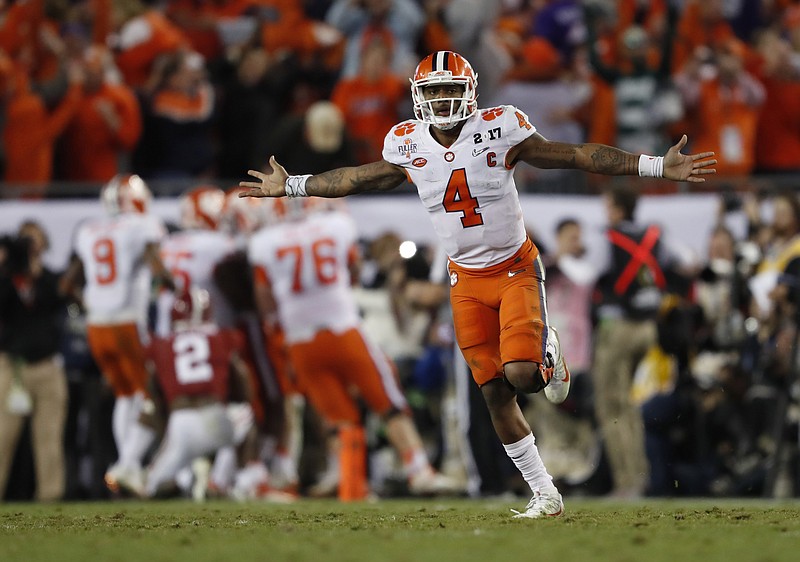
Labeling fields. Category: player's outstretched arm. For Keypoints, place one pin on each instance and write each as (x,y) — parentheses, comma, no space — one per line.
(603,159)
(376,176)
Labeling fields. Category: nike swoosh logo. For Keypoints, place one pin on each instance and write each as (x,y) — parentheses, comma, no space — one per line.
(479,151)
(513,273)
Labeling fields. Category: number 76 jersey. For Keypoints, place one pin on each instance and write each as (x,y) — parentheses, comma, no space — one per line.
(306,263)
(466,188)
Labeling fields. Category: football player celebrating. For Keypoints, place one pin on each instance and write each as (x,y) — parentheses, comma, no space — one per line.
(462,160)
(193,253)
(117,256)
(304,270)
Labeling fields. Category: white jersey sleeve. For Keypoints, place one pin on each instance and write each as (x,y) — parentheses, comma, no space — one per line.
(467,188)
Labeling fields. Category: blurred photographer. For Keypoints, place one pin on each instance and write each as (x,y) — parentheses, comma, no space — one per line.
(32,380)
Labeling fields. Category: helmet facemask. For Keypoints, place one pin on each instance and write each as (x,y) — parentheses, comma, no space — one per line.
(461,107)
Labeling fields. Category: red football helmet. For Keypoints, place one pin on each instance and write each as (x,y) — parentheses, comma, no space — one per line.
(126,193)
(191,308)
(201,207)
(445,67)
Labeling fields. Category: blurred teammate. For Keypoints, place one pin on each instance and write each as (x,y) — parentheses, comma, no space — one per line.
(192,254)
(272,401)
(118,257)
(303,280)
(198,370)
(462,161)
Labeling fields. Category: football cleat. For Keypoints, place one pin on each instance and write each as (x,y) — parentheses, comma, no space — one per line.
(327,486)
(546,503)
(125,479)
(428,482)
(556,373)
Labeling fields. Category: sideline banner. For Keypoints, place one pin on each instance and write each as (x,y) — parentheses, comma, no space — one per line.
(686,219)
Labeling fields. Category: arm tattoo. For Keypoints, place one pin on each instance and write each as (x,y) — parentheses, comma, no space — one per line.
(613,161)
(376,176)
(558,156)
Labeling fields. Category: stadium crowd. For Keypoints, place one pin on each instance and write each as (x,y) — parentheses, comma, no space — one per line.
(695,395)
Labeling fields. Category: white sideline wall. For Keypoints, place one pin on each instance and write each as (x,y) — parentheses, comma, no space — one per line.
(686,219)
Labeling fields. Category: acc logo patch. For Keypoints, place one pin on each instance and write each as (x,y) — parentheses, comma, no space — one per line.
(419,162)
(453,278)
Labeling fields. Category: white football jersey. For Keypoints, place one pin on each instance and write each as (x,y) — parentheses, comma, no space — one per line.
(191,257)
(117,279)
(466,188)
(307,265)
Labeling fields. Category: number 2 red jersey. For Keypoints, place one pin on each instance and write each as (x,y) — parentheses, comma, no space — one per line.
(467,188)
(194,362)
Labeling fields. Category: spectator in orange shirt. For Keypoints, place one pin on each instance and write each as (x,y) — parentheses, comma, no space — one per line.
(724,102)
(19,24)
(285,29)
(702,23)
(30,130)
(778,136)
(107,123)
(199,20)
(142,35)
(370,101)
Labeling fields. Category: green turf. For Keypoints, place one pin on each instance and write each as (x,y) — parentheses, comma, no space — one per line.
(395,530)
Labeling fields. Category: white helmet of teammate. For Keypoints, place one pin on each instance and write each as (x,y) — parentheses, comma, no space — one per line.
(242,215)
(441,68)
(126,193)
(201,207)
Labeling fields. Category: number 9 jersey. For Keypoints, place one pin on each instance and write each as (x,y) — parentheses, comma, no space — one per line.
(467,187)
(117,281)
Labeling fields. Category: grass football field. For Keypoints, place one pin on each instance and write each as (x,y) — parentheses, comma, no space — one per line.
(437,530)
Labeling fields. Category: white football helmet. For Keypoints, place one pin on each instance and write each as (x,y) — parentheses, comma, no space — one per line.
(243,215)
(445,67)
(126,193)
(201,207)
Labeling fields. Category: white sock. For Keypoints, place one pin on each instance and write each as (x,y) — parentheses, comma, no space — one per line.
(224,468)
(416,462)
(526,457)
(137,443)
(184,478)
(120,420)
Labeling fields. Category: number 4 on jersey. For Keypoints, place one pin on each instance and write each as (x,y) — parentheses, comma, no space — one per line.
(458,199)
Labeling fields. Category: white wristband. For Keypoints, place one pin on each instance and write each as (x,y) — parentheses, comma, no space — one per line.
(651,166)
(296,186)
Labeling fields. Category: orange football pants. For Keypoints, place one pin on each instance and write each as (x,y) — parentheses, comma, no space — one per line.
(499,312)
(331,367)
(118,352)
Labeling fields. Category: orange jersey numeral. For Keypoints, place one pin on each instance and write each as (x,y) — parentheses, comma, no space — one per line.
(106,259)
(323,257)
(458,199)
